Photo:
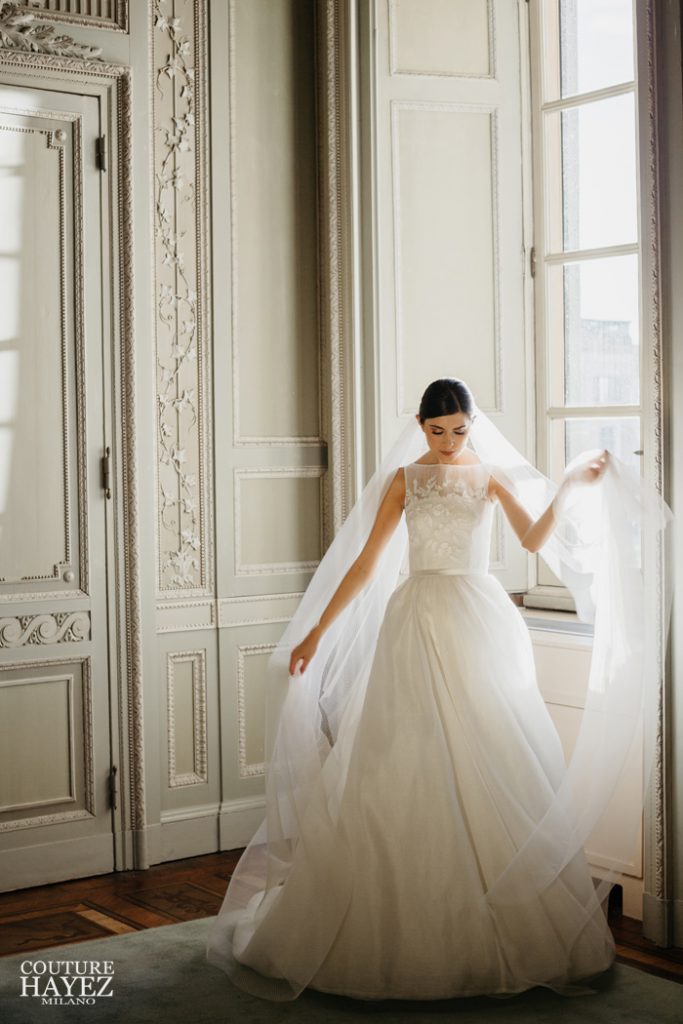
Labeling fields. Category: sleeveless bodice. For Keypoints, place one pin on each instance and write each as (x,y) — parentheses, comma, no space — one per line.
(449,518)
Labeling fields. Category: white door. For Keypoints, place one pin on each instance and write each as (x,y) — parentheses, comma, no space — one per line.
(55,747)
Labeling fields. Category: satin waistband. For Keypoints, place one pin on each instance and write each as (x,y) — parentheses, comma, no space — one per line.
(449,572)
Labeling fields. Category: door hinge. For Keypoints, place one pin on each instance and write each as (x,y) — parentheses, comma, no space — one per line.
(106,472)
(101,153)
(113,787)
(532,261)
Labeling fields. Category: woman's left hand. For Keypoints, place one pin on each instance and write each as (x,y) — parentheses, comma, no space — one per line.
(591,472)
(588,473)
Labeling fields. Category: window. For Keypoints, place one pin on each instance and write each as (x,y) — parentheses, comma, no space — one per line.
(586,239)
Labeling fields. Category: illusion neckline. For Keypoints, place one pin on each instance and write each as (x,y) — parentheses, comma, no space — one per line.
(448,465)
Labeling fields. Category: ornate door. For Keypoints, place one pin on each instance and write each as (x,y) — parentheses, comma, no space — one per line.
(56,794)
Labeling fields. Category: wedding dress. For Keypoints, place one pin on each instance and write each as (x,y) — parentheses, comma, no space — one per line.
(420,840)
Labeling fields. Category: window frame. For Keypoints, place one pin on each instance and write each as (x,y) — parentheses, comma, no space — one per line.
(541,593)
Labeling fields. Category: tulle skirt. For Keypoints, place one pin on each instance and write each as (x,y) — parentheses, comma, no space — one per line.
(454,758)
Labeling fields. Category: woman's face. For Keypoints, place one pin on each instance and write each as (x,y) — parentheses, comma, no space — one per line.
(447,435)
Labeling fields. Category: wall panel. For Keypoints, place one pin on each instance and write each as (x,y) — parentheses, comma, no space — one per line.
(445,219)
(441,37)
(274,235)
(252,661)
(277,520)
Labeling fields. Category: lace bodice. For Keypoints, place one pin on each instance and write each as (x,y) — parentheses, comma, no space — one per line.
(449,518)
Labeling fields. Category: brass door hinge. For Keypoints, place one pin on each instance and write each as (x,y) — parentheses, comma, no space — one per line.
(113,788)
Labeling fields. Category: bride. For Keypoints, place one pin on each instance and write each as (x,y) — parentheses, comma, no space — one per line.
(424,835)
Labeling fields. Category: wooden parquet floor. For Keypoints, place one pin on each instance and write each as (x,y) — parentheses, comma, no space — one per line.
(185,890)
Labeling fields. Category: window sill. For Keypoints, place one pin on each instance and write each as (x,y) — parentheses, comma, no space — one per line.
(550,621)
(549,598)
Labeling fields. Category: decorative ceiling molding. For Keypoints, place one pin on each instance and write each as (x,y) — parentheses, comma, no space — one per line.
(19,30)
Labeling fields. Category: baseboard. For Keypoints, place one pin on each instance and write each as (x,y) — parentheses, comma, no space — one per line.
(191,832)
(45,863)
(188,832)
(677,937)
(239,820)
(657,915)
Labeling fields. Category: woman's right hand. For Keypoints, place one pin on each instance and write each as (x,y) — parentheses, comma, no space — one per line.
(304,651)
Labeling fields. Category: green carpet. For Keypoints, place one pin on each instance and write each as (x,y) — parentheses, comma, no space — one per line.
(161,975)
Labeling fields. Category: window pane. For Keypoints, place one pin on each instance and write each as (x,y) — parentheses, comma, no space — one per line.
(596,44)
(594,332)
(621,436)
(591,165)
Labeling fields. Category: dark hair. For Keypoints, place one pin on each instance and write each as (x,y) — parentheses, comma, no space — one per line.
(445,396)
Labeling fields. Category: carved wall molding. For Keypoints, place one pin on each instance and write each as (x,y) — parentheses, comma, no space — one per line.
(200,774)
(55,628)
(21,30)
(183,355)
(336,259)
(226,612)
(257,610)
(247,769)
(200,613)
(108,14)
(658,853)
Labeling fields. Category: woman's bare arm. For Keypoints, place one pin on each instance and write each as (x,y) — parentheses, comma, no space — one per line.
(360,573)
(534,533)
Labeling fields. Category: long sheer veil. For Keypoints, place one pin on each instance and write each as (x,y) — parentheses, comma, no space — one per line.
(609,550)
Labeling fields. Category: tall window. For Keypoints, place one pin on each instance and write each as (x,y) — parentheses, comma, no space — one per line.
(586,237)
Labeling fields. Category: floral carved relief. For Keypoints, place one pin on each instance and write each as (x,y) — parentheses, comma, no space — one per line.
(179,207)
(20,30)
(54,628)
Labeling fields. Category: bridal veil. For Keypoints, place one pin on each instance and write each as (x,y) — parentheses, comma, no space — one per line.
(609,549)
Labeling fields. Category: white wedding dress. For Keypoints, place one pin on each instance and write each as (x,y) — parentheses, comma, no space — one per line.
(454,758)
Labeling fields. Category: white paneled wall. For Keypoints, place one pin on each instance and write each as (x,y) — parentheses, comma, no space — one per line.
(242,458)
(242,271)
(270,444)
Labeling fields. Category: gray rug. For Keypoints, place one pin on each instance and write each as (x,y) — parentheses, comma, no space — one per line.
(161,975)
